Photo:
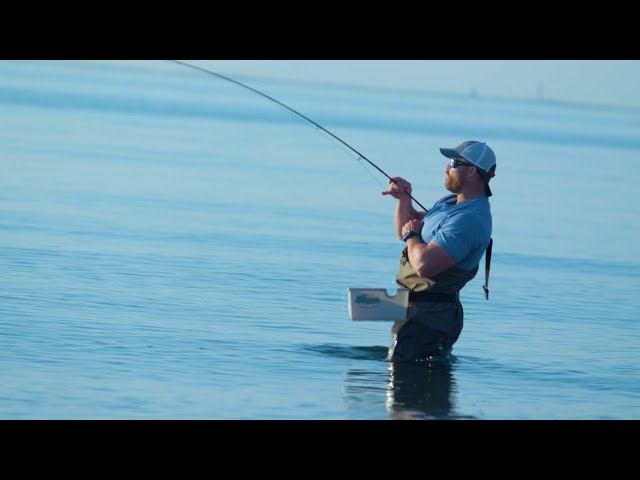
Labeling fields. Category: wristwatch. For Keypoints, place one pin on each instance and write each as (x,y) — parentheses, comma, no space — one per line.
(408,234)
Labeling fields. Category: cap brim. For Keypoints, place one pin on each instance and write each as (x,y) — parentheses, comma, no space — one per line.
(449,153)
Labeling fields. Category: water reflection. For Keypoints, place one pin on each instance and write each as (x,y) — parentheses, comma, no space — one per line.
(420,390)
(407,391)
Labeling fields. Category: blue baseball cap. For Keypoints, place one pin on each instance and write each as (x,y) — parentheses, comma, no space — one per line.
(478,154)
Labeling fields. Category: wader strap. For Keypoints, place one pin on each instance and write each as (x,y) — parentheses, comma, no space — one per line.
(433,297)
(487,266)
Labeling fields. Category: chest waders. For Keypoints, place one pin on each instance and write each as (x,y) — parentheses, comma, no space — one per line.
(434,316)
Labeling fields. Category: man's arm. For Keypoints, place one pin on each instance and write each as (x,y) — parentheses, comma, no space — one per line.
(428,259)
(400,189)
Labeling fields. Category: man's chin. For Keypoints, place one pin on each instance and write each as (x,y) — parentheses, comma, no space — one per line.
(451,188)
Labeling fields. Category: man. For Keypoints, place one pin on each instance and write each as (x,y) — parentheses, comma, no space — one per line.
(444,249)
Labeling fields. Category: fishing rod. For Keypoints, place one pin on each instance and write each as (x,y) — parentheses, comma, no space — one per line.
(360,155)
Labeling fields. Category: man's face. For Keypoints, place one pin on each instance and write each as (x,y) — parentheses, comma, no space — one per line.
(456,174)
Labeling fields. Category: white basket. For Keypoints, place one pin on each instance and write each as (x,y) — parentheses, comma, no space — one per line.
(377,304)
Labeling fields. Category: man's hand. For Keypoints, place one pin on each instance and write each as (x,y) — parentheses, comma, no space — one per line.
(398,188)
(415,225)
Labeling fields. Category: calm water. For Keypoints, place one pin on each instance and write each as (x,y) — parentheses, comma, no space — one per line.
(175,246)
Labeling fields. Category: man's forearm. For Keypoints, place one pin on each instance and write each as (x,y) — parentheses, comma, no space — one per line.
(404,213)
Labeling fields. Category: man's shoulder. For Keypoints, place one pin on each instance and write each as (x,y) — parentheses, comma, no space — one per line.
(478,206)
(472,217)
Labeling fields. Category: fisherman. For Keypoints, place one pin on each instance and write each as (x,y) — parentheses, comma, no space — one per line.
(443,252)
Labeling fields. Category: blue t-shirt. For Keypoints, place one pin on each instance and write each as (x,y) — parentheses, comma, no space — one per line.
(463,230)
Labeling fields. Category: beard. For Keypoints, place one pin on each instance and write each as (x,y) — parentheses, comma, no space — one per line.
(454,185)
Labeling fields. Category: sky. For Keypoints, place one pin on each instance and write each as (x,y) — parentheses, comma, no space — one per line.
(603,82)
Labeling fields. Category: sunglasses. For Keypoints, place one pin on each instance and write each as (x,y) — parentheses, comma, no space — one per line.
(453,163)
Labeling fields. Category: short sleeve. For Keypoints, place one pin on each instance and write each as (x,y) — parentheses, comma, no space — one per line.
(460,235)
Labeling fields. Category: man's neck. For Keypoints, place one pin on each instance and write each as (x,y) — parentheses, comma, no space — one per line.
(467,195)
